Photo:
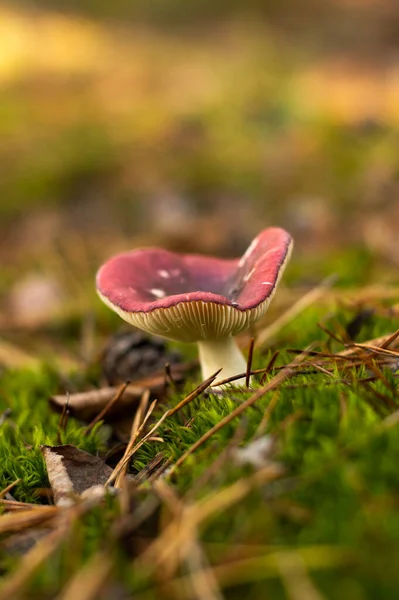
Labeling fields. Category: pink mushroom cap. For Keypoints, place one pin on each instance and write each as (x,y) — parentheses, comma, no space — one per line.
(190,297)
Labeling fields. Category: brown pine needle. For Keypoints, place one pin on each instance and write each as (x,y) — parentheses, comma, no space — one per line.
(377,349)
(391,339)
(194,394)
(139,419)
(106,408)
(10,505)
(269,366)
(265,566)
(295,579)
(235,377)
(131,449)
(202,584)
(271,385)
(13,585)
(89,581)
(180,529)
(217,465)
(266,417)
(330,334)
(249,362)
(23,519)
(7,489)
(380,342)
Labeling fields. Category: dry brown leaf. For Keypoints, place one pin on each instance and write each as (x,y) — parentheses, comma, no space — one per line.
(73,472)
(86,405)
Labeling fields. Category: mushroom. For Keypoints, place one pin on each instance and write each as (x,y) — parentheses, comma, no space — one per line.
(193,298)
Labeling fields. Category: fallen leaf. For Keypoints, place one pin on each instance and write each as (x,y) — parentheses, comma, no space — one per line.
(86,405)
(72,472)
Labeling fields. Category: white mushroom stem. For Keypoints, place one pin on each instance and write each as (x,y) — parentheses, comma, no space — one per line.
(223,354)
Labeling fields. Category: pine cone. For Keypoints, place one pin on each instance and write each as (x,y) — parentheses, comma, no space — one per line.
(131,355)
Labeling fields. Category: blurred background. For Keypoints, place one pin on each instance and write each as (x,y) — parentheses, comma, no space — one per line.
(194,125)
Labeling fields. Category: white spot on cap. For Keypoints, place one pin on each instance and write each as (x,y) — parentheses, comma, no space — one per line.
(164,274)
(158,293)
(267,283)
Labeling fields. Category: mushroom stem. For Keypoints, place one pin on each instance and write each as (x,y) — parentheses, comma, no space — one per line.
(214,354)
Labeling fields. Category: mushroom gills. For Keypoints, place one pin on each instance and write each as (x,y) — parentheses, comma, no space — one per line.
(216,354)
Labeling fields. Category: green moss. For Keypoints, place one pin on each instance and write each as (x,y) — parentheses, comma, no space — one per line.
(339,491)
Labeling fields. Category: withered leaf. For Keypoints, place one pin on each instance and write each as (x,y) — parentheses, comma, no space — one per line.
(72,472)
(86,405)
